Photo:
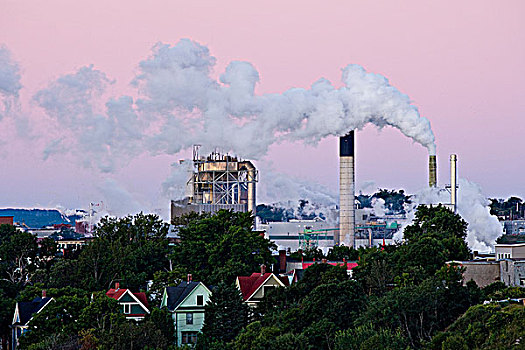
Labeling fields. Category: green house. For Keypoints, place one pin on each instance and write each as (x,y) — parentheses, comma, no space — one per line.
(134,305)
(186,303)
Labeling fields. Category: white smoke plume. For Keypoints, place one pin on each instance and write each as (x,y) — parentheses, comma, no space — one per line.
(378,207)
(9,82)
(284,191)
(176,81)
(103,139)
(175,186)
(179,104)
(472,205)
(119,201)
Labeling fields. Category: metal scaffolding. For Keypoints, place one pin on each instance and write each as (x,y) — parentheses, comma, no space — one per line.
(223,182)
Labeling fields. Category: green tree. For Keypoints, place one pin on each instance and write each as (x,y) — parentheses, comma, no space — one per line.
(226,315)
(419,311)
(221,247)
(18,252)
(59,316)
(441,224)
(129,249)
(101,314)
(338,253)
(489,326)
(366,337)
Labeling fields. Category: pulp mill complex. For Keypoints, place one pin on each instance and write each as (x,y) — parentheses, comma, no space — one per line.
(221,181)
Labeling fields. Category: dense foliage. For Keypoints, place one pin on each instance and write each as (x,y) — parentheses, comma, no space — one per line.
(510,208)
(220,247)
(401,296)
(394,201)
(492,326)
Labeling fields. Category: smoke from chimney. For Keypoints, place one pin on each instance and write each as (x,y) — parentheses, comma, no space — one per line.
(180,103)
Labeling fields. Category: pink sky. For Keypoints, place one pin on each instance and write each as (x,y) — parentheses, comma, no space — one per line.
(462,64)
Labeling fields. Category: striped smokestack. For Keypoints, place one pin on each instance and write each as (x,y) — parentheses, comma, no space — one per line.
(346,190)
(432,171)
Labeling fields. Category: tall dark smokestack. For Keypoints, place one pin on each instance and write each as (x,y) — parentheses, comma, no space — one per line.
(346,190)
(432,171)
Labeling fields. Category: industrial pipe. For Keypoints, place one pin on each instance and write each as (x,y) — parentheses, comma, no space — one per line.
(453,180)
(432,171)
(251,179)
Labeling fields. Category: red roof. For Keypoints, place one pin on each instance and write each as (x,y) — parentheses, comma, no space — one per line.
(6,220)
(349,265)
(117,293)
(249,284)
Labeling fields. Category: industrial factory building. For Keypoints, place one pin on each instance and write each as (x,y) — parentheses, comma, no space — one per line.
(300,234)
(218,181)
(292,235)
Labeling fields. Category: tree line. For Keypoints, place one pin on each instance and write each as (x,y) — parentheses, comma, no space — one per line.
(399,296)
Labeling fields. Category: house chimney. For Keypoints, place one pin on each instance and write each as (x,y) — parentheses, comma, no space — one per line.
(189,278)
(117,285)
(282,260)
(44,293)
(324,261)
(263,269)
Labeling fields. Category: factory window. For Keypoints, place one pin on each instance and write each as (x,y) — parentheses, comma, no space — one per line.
(522,281)
(200,300)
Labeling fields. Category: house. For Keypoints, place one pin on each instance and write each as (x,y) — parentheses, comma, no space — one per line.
(483,272)
(134,305)
(254,287)
(186,303)
(24,312)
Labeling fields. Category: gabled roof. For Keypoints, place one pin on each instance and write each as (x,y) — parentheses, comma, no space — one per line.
(250,284)
(26,309)
(176,295)
(139,297)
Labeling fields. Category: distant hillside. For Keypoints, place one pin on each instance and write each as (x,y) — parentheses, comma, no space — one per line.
(38,218)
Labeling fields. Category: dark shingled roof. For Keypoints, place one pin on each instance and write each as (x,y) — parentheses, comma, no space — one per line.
(27,309)
(177,294)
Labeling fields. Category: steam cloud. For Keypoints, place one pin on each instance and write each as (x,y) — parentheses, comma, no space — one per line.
(472,205)
(179,104)
(9,81)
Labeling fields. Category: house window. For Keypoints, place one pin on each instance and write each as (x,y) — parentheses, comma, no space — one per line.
(189,337)
(127,308)
(189,318)
(266,289)
(200,300)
